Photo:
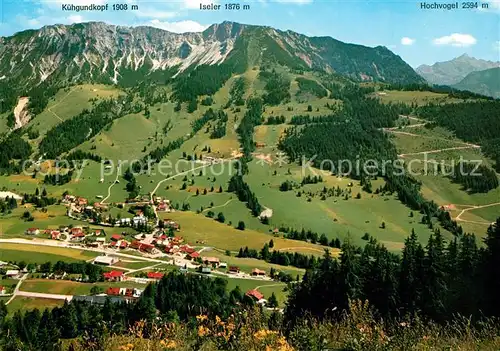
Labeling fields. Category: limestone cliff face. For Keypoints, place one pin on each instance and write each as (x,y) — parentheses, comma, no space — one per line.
(21,113)
(104,53)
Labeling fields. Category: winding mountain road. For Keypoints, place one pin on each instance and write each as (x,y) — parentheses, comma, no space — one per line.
(118,172)
(471,146)
(474,207)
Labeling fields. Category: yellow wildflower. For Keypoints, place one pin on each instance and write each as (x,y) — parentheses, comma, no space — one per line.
(171,344)
(202,331)
(201,317)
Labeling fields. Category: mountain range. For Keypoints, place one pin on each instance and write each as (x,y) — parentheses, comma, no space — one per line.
(110,54)
(453,71)
(486,82)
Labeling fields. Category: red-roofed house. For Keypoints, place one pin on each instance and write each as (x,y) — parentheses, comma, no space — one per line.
(113,276)
(178,240)
(113,291)
(135,244)
(193,255)
(162,207)
(76,231)
(116,237)
(55,234)
(155,275)
(234,269)
(3,290)
(186,249)
(32,231)
(112,243)
(78,236)
(80,201)
(123,244)
(255,294)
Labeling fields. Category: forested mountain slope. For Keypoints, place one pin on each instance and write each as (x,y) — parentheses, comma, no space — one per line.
(485,82)
(59,55)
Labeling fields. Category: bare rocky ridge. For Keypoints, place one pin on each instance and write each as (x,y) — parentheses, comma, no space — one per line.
(21,113)
(453,71)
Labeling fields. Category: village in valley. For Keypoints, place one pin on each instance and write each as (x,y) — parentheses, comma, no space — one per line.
(122,261)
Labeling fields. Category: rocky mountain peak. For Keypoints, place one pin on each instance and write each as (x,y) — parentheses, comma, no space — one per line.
(96,51)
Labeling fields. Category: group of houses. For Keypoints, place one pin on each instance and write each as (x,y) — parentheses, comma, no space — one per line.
(119,276)
(209,263)
(160,242)
(126,292)
(76,234)
(80,207)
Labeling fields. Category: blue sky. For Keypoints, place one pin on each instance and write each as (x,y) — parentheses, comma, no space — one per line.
(418,36)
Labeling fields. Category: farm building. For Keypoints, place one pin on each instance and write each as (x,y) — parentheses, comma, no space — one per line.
(206,270)
(99,299)
(106,260)
(101,240)
(213,261)
(12,273)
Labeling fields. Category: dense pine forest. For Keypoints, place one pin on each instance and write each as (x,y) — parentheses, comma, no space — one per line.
(311,87)
(474,178)
(476,122)
(277,88)
(13,151)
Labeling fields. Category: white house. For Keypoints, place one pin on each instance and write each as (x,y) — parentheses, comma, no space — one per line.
(124,221)
(12,273)
(139,220)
